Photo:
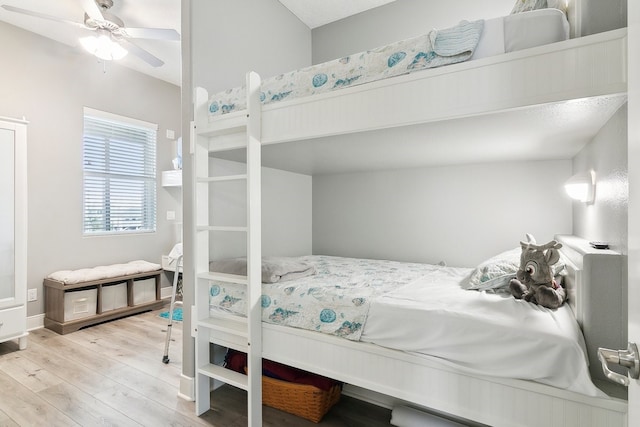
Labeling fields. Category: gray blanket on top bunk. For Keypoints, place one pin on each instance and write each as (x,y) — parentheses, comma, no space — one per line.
(434,49)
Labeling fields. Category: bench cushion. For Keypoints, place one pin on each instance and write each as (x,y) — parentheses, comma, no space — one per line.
(70,277)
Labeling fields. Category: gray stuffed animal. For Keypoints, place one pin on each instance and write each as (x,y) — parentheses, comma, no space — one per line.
(534,280)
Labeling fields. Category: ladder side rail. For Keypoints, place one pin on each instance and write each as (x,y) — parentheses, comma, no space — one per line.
(254,251)
(201,163)
(201,168)
(200,106)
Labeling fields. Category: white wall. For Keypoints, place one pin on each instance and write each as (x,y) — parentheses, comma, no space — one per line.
(49,83)
(458,214)
(402,19)
(606,219)
(232,37)
(395,21)
(599,16)
(286,211)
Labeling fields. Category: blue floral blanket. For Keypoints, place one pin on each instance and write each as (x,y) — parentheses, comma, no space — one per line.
(434,49)
(335,300)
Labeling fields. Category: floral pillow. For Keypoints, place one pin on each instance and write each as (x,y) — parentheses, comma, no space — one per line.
(528,5)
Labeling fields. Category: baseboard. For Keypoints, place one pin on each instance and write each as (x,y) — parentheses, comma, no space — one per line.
(187,388)
(35,322)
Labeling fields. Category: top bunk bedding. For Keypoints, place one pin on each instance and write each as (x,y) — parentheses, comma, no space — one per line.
(423,309)
(465,41)
(523,81)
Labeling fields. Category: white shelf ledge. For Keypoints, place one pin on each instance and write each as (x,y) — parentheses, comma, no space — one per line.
(172,178)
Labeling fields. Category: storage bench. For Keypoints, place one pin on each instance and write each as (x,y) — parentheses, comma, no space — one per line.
(76,299)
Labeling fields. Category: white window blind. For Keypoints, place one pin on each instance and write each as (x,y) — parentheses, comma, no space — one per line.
(119,158)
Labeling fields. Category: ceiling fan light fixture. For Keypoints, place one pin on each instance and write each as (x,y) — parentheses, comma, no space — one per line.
(103,46)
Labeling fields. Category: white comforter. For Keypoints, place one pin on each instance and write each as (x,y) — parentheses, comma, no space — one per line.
(481,333)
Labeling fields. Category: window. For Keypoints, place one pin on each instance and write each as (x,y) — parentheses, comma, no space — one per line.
(119,173)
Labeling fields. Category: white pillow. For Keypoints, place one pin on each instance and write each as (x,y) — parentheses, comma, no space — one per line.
(528,5)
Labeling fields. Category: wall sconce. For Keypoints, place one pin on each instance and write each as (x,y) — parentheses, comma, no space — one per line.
(103,46)
(582,187)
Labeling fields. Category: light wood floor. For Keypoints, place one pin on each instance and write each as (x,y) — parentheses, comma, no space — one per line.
(112,375)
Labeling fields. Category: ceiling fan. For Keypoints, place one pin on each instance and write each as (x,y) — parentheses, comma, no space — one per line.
(111,39)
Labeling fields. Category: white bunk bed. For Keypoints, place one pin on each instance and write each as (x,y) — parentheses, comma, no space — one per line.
(587,73)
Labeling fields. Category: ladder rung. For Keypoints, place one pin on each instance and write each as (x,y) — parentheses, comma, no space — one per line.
(224,277)
(220,228)
(223,178)
(225,124)
(233,142)
(227,324)
(229,343)
(225,375)
(227,330)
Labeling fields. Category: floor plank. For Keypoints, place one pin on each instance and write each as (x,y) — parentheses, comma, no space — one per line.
(140,357)
(26,408)
(5,421)
(112,374)
(145,411)
(83,408)
(65,362)
(31,375)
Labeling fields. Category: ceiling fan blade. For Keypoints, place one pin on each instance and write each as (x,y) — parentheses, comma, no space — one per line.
(151,33)
(41,15)
(92,10)
(141,53)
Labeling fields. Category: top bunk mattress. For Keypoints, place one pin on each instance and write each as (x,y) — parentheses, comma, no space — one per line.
(465,41)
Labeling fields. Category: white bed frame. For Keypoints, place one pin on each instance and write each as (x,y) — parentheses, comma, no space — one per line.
(488,400)
(401,377)
(590,68)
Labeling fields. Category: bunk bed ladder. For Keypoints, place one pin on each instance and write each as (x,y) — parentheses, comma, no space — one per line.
(229,132)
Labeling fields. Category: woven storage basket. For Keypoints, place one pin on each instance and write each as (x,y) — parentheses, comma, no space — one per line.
(303,400)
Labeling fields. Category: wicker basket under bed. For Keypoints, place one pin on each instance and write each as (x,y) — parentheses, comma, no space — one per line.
(304,400)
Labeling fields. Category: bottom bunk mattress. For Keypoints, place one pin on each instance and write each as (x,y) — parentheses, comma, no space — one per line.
(424,309)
